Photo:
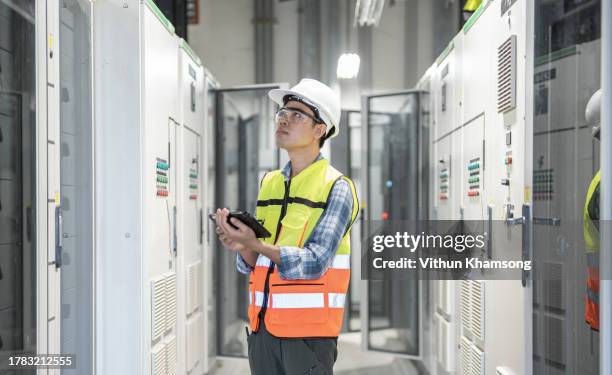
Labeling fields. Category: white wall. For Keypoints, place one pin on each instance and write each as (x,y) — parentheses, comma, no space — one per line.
(286,42)
(403,45)
(388,45)
(225,40)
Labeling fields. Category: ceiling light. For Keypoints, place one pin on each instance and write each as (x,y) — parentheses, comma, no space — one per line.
(348,66)
(368,12)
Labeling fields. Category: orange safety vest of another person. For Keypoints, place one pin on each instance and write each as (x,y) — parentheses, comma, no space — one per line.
(590,228)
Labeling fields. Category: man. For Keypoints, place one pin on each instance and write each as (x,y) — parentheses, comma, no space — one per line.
(298,277)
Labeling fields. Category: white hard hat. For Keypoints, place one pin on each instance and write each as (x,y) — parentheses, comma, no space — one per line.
(317,95)
(592,113)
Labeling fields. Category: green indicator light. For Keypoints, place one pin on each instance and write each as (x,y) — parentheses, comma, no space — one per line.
(162,166)
(473,179)
(473,166)
(193,186)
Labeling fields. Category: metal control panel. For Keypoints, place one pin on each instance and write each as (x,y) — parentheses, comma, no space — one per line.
(482,172)
(150,237)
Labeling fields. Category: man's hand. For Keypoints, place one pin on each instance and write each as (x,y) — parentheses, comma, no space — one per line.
(232,245)
(234,239)
(243,239)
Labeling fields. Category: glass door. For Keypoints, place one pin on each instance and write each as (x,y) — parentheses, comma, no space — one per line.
(76,180)
(209,256)
(566,159)
(393,177)
(345,150)
(245,151)
(19,260)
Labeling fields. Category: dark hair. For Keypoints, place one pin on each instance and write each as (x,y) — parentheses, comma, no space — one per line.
(324,138)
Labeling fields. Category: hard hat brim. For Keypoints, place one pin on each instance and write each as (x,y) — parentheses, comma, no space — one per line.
(277,96)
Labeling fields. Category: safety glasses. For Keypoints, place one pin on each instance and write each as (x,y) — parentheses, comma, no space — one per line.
(294,116)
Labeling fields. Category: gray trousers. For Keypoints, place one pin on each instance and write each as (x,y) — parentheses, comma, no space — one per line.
(270,355)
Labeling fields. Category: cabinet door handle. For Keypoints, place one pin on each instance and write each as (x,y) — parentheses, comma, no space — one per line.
(59,241)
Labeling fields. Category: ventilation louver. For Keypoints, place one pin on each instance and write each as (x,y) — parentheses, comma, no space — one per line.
(170,301)
(158,308)
(506,75)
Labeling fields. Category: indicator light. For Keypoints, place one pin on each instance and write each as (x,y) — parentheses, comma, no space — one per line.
(473,166)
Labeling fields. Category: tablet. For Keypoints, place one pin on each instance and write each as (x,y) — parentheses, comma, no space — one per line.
(249,220)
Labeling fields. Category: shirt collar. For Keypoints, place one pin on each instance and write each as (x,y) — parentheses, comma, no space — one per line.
(287,170)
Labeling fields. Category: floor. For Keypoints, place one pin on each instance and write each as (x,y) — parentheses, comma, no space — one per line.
(352,360)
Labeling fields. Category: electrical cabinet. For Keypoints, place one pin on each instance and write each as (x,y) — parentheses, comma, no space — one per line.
(150,186)
(517,154)
(191,202)
(482,172)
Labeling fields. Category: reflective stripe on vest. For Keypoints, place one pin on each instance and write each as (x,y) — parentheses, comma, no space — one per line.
(259,297)
(306,300)
(299,308)
(341,261)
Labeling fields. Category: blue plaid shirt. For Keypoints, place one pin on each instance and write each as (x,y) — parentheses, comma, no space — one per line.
(313,260)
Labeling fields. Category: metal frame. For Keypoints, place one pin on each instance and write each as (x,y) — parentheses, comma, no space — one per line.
(220,181)
(41,176)
(349,305)
(527,243)
(262,86)
(210,84)
(605,313)
(365,142)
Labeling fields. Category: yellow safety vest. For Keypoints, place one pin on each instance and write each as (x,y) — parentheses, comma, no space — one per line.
(472,5)
(290,210)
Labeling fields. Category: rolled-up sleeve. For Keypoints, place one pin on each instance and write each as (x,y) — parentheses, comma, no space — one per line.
(242,265)
(313,260)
